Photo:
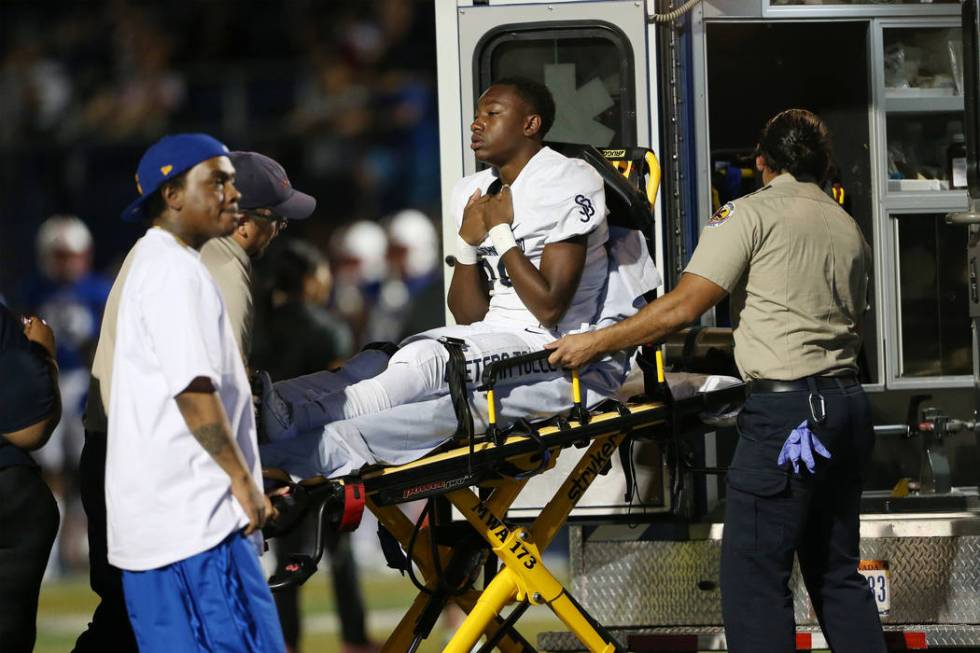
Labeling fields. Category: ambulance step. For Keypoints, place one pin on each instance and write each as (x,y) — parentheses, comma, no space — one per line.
(912,637)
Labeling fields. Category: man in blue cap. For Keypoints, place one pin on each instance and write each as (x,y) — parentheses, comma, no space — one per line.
(181,484)
(267,204)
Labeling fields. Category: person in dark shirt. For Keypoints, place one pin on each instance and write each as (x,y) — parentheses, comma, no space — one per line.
(297,335)
(30,408)
(293,312)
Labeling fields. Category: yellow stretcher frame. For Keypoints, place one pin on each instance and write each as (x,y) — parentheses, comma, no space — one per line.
(523,578)
(502,469)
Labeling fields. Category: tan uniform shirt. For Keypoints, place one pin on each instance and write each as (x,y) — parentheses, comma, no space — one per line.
(232,271)
(101,380)
(796,266)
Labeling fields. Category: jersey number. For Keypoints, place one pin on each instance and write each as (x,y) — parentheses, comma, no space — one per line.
(491,277)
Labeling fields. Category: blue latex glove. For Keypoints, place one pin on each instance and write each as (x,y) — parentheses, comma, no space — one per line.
(801,444)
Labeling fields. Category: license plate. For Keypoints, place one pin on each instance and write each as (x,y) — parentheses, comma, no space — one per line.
(876,573)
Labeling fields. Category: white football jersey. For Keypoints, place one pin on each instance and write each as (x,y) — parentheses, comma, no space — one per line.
(555,198)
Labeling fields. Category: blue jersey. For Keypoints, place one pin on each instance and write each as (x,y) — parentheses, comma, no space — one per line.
(73,311)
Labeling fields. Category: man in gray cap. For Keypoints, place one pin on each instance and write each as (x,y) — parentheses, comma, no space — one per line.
(268,202)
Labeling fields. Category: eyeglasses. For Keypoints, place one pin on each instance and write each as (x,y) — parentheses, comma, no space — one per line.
(280,222)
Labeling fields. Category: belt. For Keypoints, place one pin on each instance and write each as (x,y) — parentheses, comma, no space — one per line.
(801,385)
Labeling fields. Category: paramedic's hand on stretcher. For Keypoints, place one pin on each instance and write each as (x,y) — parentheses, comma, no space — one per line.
(801,444)
(574,351)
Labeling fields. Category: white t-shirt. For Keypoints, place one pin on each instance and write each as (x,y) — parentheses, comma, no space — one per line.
(166,498)
(555,198)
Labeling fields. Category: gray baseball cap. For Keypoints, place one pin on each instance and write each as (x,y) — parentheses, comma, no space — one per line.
(264,185)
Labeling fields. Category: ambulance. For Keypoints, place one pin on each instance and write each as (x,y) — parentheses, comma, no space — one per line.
(694,82)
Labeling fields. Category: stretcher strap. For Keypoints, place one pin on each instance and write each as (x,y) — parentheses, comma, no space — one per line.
(354,497)
(626,460)
(392,550)
(456,376)
(690,340)
(626,456)
(525,428)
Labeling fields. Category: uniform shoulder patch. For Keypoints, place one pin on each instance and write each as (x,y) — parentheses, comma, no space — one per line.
(722,215)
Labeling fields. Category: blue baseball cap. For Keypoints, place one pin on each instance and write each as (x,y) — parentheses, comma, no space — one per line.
(264,185)
(167,158)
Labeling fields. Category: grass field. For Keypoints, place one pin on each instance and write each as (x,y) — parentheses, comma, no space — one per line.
(66,606)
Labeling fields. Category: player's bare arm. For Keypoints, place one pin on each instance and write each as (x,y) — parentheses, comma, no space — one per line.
(469,296)
(686,303)
(205,416)
(547,292)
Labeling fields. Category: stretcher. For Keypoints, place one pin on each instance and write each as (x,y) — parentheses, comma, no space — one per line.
(481,477)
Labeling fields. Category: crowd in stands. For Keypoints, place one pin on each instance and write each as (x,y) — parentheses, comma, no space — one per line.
(342,93)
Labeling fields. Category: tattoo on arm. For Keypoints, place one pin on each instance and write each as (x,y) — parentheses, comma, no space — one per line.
(213,437)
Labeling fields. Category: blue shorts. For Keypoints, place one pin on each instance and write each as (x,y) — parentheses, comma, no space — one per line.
(214,601)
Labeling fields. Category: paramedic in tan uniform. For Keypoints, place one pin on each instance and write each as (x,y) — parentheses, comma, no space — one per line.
(796,267)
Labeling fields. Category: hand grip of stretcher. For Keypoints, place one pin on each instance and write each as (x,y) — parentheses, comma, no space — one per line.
(492,372)
(626,157)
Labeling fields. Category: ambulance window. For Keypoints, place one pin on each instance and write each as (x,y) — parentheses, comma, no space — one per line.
(589,70)
(935,329)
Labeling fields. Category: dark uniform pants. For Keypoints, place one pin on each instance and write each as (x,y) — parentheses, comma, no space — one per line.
(28,525)
(772,514)
(109,629)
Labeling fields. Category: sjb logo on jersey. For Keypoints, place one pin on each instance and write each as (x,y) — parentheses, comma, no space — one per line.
(585,207)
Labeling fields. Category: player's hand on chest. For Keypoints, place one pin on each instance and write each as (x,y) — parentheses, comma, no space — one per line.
(473,230)
(499,208)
